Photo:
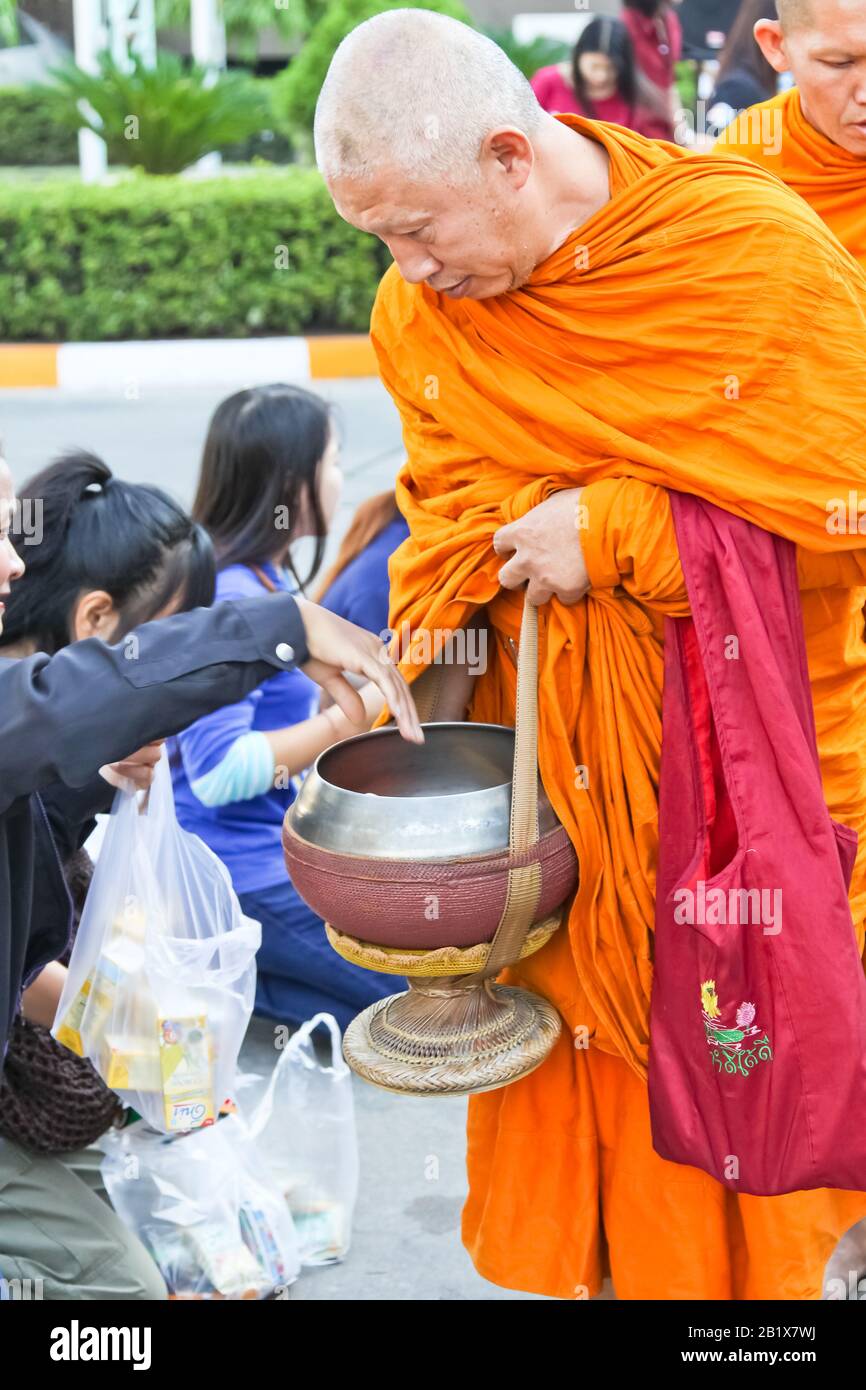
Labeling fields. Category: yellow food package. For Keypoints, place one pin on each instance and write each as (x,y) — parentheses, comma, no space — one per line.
(119,996)
(130,924)
(69,1032)
(187,1075)
(130,1063)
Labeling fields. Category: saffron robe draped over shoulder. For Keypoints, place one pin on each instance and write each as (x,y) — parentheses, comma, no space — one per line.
(700,332)
(832,180)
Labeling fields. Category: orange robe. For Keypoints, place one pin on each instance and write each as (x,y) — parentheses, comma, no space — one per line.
(777,136)
(673,341)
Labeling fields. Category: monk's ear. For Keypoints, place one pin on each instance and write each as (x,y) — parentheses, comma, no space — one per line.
(771,41)
(510,148)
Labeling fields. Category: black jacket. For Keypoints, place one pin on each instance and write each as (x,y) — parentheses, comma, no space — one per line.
(62,717)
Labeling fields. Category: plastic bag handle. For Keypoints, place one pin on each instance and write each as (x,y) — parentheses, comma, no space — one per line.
(237,944)
(299,1042)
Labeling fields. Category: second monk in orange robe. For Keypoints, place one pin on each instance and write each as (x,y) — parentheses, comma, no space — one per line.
(813,136)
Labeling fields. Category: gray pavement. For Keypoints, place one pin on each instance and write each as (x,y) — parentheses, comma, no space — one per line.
(158,438)
(406,1238)
(406,1235)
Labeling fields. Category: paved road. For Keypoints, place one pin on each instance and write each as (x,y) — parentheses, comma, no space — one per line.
(407,1228)
(158,438)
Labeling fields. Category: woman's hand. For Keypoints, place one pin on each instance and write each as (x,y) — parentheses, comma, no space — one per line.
(546,550)
(335,646)
(135,773)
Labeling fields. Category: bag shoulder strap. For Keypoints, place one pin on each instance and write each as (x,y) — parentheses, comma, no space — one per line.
(742,582)
(263,578)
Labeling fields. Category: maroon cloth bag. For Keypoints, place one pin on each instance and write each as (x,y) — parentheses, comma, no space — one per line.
(757,1070)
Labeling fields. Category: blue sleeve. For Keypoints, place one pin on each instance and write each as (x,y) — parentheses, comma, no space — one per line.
(247,771)
(206,742)
(366,607)
(361,593)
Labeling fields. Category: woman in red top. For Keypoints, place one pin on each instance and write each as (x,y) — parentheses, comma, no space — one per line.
(657,37)
(599,81)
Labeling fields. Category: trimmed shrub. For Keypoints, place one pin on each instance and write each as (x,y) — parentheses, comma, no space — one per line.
(161,118)
(31,131)
(259,254)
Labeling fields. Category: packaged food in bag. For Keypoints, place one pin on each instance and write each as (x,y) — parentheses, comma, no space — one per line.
(203,1205)
(161,981)
(121,958)
(304,1127)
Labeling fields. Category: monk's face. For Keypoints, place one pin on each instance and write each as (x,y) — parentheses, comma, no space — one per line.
(825,50)
(471,239)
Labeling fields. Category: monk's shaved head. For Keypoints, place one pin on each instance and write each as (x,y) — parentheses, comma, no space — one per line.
(808,14)
(794,14)
(431,139)
(418,91)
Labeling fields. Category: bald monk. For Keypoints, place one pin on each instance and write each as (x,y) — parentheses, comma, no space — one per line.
(814,135)
(578,319)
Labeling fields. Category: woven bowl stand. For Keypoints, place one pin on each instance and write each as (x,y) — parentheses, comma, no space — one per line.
(454,1031)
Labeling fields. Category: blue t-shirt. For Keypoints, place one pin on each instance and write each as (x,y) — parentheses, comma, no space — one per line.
(246,835)
(360,592)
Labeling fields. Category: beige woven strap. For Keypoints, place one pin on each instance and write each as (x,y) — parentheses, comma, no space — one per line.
(524,884)
(426,690)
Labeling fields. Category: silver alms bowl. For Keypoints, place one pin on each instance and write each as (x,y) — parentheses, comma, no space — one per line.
(378,796)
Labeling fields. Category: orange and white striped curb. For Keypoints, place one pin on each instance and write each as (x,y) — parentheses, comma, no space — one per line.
(184,362)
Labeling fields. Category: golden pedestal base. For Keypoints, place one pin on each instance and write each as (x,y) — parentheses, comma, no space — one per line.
(445,1036)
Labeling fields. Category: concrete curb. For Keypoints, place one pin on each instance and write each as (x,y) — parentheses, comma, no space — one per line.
(190,362)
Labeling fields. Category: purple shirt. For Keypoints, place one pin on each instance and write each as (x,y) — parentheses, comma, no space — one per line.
(246,835)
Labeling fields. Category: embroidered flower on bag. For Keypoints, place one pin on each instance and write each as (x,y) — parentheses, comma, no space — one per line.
(736,1049)
(709,1001)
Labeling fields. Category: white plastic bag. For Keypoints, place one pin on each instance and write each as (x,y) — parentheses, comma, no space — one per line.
(204,1207)
(161,981)
(304,1127)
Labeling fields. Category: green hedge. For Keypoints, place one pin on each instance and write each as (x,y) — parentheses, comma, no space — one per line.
(172,257)
(31,134)
(29,131)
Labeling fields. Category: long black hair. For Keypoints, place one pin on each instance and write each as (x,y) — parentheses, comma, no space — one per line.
(741,50)
(260,466)
(97,532)
(610,37)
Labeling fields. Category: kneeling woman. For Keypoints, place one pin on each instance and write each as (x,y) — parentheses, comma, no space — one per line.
(269,476)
